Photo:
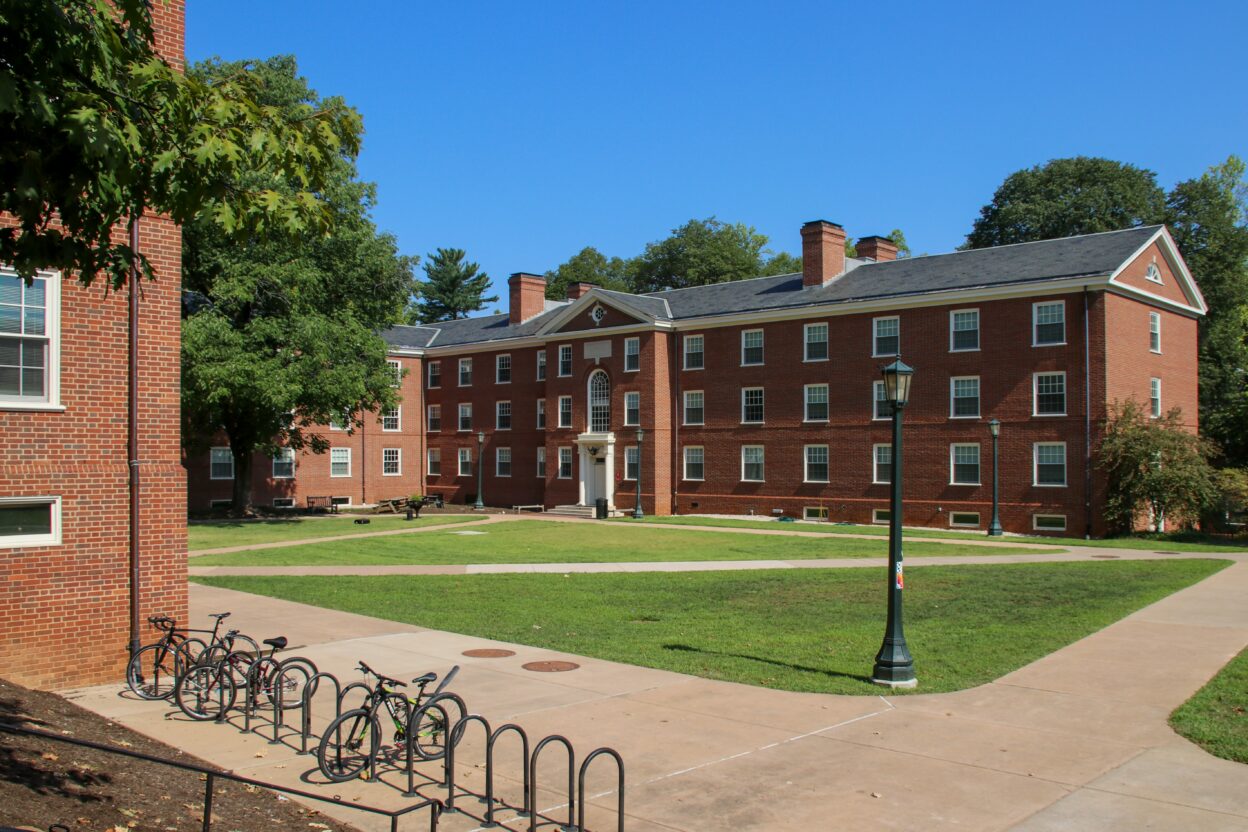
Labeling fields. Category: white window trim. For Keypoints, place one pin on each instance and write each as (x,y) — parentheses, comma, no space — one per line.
(398,415)
(979,397)
(1154,413)
(875,337)
(459,413)
(397,367)
(1035,394)
(684,466)
(52,324)
(1038,528)
(978,520)
(559,464)
(498,425)
(539,415)
(498,462)
(684,409)
(539,462)
(979,335)
(559,417)
(429,454)
(461,456)
(827,403)
(397,473)
(953,451)
(1035,466)
(627,423)
(293,462)
(1154,317)
(559,361)
(827,342)
(744,478)
(1152,270)
(498,367)
(429,421)
(745,363)
(875,474)
(636,341)
(210,475)
(429,376)
(626,477)
(541,365)
(331,463)
(806,464)
(460,369)
(684,352)
(19,541)
(816,513)
(875,517)
(1035,322)
(745,421)
(875,385)
(286,502)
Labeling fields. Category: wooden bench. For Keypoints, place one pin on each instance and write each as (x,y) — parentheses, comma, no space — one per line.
(316,504)
(534,507)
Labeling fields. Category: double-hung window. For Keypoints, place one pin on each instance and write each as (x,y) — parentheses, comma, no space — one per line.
(881,407)
(887,336)
(465,372)
(882,459)
(434,457)
(1050,461)
(964,464)
(221,464)
(1154,331)
(815,338)
(752,463)
(816,403)
(434,417)
(340,462)
(502,369)
(1050,394)
(502,462)
(541,365)
(632,355)
(541,462)
(465,462)
(751,347)
(630,463)
(695,404)
(751,405)
(963,330)
(502,415)
(1048,320)
(964,397)
(435,374)
(565,360)
(565,463)
(1154,397)
(284,464)
(695,356)
(565,411)
(632,409)
(816,459)
(541,414)
(396,369)
(465,416)
(29,320)
(392,419)
(695,463)
(391,462)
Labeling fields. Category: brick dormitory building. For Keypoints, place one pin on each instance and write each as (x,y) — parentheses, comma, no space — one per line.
(764,396)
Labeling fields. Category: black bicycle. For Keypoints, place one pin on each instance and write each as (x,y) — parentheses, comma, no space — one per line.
(210,687)
(351,743)
(153,671)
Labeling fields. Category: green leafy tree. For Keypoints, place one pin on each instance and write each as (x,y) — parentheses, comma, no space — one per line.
(1155,468)
(698,253)
(1065,197)
(589,265)
(781,263)
(281,333)
(899,240)
(96,129)
(452,288)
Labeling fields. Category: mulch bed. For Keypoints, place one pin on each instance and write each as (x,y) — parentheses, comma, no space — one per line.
(43,782)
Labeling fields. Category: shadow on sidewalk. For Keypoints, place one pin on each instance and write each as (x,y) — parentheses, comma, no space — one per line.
(685,648)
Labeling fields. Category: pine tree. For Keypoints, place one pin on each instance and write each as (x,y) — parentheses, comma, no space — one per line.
(452,288)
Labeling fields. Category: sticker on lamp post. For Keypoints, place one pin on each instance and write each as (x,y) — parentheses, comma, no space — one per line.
(901,579)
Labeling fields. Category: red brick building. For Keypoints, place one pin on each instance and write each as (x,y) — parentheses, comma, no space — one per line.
(762,396)
(65,531)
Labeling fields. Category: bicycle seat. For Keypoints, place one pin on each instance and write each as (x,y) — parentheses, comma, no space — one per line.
(424,680)
(276,643)
(219,615)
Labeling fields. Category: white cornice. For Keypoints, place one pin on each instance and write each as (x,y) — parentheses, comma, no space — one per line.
(1196,301)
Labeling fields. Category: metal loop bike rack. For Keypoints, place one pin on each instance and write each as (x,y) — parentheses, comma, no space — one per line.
(532,801)
(309,691)
(489,769)
(453,735)
(580,787)
(409,742)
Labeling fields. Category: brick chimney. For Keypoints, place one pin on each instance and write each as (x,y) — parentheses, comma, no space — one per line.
(823,252)
(878,249)
(527,296)
(576,291)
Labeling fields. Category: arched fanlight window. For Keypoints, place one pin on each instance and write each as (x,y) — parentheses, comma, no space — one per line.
(1153,273)
(599,402)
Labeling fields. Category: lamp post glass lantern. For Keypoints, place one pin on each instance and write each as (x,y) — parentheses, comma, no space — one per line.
(994,528)
(480,504)
(638,514)
(893,665)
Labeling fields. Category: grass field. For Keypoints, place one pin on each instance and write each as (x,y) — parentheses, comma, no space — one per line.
(804,630)
(530,541)
(1216,718)
(1175,542)
(222,533)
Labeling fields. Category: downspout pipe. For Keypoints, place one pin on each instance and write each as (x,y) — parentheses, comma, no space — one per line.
(132,444)
(1087,422)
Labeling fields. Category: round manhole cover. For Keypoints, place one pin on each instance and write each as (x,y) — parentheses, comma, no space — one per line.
(489,653)
(1106,557)
(550,667)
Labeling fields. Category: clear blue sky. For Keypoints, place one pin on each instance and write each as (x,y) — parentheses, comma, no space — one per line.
(523,132)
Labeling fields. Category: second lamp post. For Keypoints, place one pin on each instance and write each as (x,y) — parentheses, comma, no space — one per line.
(638,514)
(994,528)
(480,504)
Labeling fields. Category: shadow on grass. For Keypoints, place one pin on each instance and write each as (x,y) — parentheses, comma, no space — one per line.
(685,648)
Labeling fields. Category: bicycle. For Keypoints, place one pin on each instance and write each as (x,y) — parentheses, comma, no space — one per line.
(153,671)
(210,687)
(351,743)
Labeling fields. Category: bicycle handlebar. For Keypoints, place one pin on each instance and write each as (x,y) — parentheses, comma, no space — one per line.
(380,678)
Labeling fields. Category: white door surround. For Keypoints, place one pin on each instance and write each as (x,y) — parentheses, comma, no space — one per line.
(597,468)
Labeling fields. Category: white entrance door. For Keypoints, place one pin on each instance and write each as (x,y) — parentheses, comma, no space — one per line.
(600,478)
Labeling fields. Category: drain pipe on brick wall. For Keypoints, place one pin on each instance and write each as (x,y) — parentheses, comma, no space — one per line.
(132,442)
(1087,424)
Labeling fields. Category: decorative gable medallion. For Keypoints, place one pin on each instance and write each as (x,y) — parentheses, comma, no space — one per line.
(597,314)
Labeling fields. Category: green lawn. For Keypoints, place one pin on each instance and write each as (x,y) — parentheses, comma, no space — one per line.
(1173,542)
(1216,718)
(219,534)
(532,541)
(803,630)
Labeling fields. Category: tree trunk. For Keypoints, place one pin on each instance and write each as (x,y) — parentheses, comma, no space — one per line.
(242,480)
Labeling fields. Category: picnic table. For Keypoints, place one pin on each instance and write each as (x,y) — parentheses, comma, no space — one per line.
(396,505)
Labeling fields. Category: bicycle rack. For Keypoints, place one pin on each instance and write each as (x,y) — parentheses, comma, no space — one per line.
(453,736)
(305,708)
(571,780)
(580,788)
(409,741)
(489,769)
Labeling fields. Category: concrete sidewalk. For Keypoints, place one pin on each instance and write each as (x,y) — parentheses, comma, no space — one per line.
(1075,741)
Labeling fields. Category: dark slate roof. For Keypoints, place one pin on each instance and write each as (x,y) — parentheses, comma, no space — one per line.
(409,336)
(653,305)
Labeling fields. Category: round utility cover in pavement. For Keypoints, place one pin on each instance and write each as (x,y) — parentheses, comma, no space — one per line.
(488,653)
(550,667)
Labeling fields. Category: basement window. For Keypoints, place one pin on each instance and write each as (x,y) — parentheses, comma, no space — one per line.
(283,502)
(881,515)
(964,519)
(815,513)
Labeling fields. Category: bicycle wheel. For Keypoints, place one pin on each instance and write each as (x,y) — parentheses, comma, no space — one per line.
(190,651)
(348,746)
(293,674)
(152,672)
(434,719)
(206,692)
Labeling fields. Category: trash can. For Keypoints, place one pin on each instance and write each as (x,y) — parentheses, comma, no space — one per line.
(600,508)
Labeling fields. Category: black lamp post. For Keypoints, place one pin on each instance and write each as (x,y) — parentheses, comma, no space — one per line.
(480,504)
(893,665)
(637,512)
(994,528)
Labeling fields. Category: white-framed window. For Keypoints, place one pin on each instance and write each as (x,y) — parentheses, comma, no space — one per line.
(541,365)
(816,402)
(221,464)
(340,501)
(541,462)
(565,360)
(964,397)
(815,340)
(433,417)
(283,502)
(881,407)
(695,408)
(502,369)
(433,463)
(340,462)
(502,462)
(565,411)
(599,402)
(502,415)
(880,516)
(391,462)
(964,519)
(964,464)
(396,370)
(695,463)
(465,416)
(751,405)
(887,336)
(1048,323)
(435,375)
(751,347)
(341,421)
(964,330)
(1049,394)
(1154,331)
(632,409)
(632,355)
(465,462)
(284,464)
(695,355)
(814,512)
(1153,273)
(752,457)
(815,458)
(1154,397)
(30,521)
(1048,522)
(541,414)
(392,419)
(1050,463)
(565,463)
(630,463)
(881,464)
(30,316)
(465,372)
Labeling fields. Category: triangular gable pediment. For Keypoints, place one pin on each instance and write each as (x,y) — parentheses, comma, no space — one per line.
(593,312)
(1161,242)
